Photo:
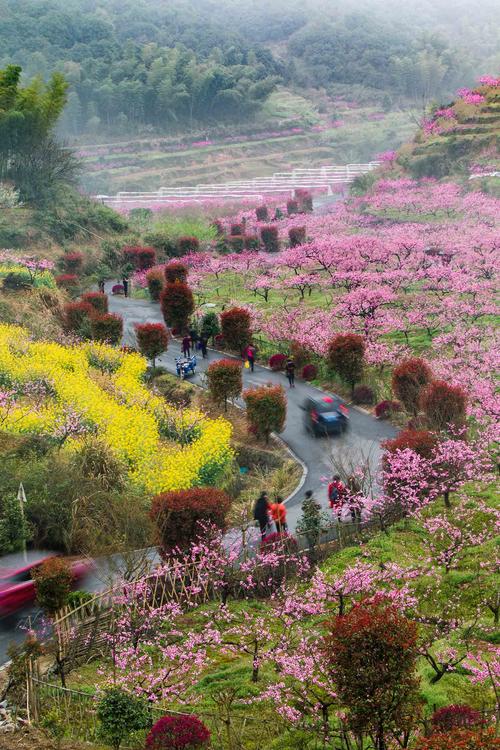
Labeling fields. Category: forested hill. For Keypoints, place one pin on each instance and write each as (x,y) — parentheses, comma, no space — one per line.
(168,66)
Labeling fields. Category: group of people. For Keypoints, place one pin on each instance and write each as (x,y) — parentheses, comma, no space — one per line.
(192,342)
(341,496)
(271,516)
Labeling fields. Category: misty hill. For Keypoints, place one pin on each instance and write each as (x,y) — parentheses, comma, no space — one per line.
(165,67)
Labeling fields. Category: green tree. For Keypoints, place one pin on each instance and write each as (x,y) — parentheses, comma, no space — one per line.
(14,530)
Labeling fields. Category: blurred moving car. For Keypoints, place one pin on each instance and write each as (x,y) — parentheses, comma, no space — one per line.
(325,415)
(17,588)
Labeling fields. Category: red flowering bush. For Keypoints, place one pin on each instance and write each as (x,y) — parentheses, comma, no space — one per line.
(236,242)
(277,362)
(72,262)
(139,257)
(76,316)
(297,236)
(155,281)
(66,280)
(384,409)
(98,300)
(177,304)
(309,372)
(107,327)
(292,207)
(421,442)
(176,271)
(262,213)
(181,732)
(461,739)
(444,405)
(266,409)
(346,357)
(187,245)
(452,717)
(152,339)
(236,328)
(179,515)
(363,394)
(224,380)
(408,380)
(269,237)
(219,341)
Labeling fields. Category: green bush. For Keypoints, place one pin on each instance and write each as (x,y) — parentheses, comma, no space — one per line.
(120,715)
(53,581)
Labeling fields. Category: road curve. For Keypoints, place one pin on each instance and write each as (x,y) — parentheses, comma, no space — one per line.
(363,439)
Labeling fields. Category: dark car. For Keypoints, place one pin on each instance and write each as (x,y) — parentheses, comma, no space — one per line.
(325,415)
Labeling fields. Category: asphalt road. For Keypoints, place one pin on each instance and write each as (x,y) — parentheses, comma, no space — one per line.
(318,455)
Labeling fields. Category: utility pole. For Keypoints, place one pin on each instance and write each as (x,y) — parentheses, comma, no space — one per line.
(21,496)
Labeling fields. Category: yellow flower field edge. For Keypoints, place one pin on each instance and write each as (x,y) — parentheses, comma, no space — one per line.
(102,391)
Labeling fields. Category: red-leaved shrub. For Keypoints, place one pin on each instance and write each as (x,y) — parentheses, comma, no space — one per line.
(301,355)
(236,328)
(251,242)
(155,281)
(224,380)
(237,229)
(309,372)
(107,327)
(304,199)
(297,236)
(262,213)
(72,262)
(269,237)
(178,732)
(266,409)
(444,405)
(66,280)
(346,357)
(53,581)
(460,739)
(98,300)
(176,271)
(292,207)
(408,380)
(236,242)
(421,442)
(452,717)
(385,409)
(76,316)
(141,258)
(187,245)
(152,339)
(363,394)
(277,361)
(179,515)
(177,304)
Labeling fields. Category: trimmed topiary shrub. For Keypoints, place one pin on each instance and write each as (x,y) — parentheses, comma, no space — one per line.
(305,200)
(98,300)
(277,362)
(179,515)
(120,715)
(181,732)
(363,394)
(346,354)
(236,229)
(292,207)
(76,317)
(176,271)
(262,213)
(236,242)
(269,237)
(155,280)
(309,372)
(107,327)
(451,717)
(187,245)
(297,236)
(266,409)
(387,408)
(152,340)
(236,328)
(408,380)
(66,280)
(72,262)
(53,580)
(177,305)
(225,381)
(421,442)
(444,405)
(460,739)
(141,258)
(251,242)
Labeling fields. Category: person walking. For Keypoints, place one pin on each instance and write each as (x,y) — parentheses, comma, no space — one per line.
(186,346)
(261,512)
(278,513)
(100,285)
(354,495)
(250,352)
(203,347)
(125,283)
(290,371)
(336,495)
(193,333)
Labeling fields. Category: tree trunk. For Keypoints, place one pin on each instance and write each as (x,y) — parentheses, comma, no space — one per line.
(446,497)
(255,663)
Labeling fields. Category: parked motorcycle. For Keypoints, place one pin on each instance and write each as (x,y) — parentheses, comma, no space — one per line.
(185,366)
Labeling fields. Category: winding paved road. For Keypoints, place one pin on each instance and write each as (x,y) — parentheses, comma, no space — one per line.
(363,438)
